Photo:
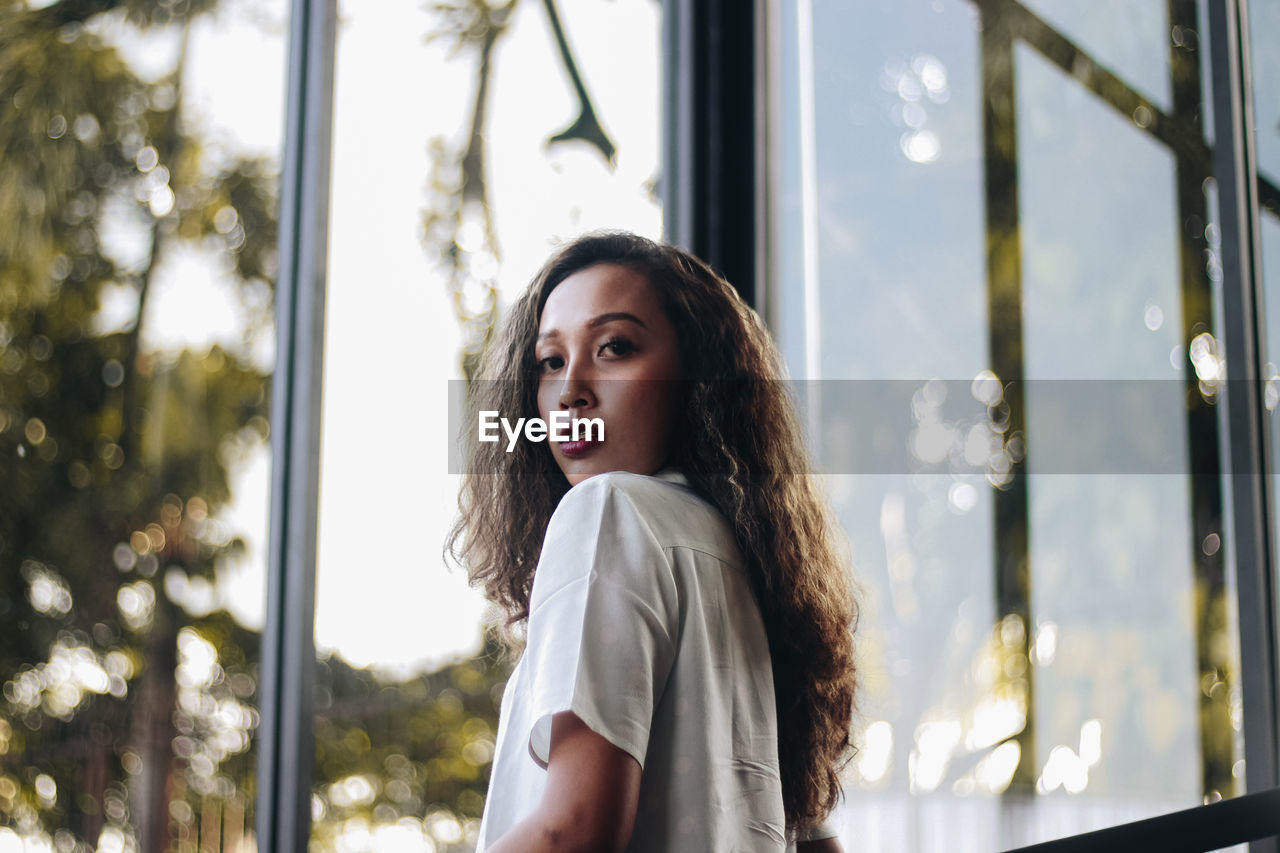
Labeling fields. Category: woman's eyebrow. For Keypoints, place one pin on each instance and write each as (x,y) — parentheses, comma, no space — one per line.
(597,321)
(601,319)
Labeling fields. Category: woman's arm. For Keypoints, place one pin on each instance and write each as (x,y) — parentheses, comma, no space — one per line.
(825,845)
(590,800)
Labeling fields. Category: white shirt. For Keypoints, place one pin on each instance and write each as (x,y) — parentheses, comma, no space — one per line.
(643,623)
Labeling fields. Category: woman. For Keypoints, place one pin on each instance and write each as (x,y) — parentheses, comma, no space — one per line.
(688,677)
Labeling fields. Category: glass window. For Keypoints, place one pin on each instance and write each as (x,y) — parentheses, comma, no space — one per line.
(1264,24)
(453,179)
(1264,19)
(1110,553)
(137,263)
(1129,38)
(995,266)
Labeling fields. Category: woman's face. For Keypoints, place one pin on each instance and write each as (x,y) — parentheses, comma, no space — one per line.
(606,350)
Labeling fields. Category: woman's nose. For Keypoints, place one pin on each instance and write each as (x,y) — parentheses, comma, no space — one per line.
(576,393)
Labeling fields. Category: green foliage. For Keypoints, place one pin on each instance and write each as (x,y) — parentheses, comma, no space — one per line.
(67,106)
(422,747)
(458,226)
(114,460)
(128,706)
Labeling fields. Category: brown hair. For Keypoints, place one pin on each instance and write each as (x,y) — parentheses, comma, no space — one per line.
(741,448)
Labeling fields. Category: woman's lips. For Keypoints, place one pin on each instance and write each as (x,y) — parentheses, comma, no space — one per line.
(577,449)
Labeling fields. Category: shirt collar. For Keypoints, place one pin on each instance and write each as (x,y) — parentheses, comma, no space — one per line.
(673,475)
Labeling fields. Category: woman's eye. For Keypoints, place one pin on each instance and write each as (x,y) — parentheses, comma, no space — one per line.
(551,362)
(617,346)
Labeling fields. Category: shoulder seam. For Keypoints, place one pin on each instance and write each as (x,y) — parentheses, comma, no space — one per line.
(704,552)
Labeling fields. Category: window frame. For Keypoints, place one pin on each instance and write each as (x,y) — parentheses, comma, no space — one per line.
(706,88)
(1235,164)
(717,185)
(286,739)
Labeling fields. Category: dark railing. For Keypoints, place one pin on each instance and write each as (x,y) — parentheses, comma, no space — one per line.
(1252,817)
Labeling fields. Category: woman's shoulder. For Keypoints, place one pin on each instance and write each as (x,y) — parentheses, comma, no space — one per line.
(643,490)
(663,504)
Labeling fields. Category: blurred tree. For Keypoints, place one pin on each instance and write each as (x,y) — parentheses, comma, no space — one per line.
(128,705)
(458,224)
(420,748)
(119,701)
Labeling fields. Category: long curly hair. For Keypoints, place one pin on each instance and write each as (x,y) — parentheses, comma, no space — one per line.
(740,445)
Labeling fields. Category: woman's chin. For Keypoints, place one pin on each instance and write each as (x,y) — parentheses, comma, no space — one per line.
(577,470)
(576,473)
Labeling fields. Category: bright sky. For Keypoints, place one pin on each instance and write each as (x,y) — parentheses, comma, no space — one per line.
(384,597)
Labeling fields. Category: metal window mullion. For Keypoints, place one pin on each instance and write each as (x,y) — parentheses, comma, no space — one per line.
(711,161)
(769,290)
(285,736)
(1234,166)
(765,14)
(1011,504)
(678,118)
(1204,439)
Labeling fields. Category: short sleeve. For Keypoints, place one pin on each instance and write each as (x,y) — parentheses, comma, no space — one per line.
(819,831)
(602,616)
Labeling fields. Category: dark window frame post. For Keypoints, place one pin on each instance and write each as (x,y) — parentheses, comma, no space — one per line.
(713,137)
(1235,166)
(286,742)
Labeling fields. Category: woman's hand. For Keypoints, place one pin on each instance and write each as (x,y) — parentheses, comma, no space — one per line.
(590,799)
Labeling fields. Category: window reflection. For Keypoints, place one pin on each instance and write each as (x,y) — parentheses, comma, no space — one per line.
(1129,37)
(1047,650)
